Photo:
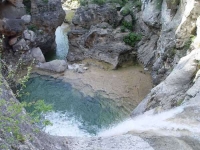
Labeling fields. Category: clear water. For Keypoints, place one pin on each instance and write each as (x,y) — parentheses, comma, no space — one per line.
(73,113)
(61,45)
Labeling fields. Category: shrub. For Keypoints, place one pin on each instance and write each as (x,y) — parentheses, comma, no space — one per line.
(127,25)
(123,29)
(83,2)
(125,11)
(132,38)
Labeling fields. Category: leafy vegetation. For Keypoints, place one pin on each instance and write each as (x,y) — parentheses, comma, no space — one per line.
(132,38)
(128,25)
(12,115)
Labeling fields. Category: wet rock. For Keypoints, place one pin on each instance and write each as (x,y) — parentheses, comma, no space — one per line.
(55,66)
(38,55)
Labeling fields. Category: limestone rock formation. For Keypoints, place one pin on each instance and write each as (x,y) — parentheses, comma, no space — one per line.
(92,36)
(46,17)
(175,41)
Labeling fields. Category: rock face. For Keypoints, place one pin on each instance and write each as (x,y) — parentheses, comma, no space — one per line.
(179,22)
(92,36)
(46,17)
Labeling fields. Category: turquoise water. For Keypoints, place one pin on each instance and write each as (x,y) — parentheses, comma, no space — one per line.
(73,113)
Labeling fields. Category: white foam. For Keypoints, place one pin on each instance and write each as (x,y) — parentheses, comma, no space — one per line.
(63,125)
(148,121)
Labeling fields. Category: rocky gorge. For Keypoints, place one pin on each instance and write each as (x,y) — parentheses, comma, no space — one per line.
(161,35)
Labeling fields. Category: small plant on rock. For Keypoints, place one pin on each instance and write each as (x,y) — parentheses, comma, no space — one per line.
(132,38)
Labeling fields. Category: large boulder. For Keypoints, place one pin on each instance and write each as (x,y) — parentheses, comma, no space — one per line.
(38,55)
(54,65)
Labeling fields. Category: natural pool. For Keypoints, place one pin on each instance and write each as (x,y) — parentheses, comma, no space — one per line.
(73,113)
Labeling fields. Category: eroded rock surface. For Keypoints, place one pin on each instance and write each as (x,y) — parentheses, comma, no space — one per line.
(92,36)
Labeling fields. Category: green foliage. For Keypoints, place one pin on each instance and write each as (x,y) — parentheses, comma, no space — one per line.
(45,1)
(159,4)
(189,42)
(132,38)
(127,25)
(138,4)
(123,29)
(12,117)
(22,82)
(11,120)
(125,11)
(38,109)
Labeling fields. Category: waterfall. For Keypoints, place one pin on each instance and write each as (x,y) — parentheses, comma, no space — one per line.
(61,42)
(152,122)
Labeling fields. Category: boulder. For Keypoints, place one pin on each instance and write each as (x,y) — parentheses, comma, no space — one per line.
(20,45)
(128,18)
(26,18)
(55,66)
(12,41)
(94,14)
(11,27)
(29,35)
(38,55)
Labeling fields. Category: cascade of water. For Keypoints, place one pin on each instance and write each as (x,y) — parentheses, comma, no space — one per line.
(61,42)
(149,121)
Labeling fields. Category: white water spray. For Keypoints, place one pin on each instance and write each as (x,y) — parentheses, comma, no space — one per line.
(63,125)
(149,121)
(61,42)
